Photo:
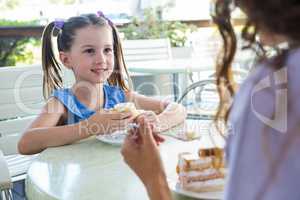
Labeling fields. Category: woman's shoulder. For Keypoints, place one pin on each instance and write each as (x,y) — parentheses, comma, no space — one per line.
(265,72)
(266,84)
(274,76)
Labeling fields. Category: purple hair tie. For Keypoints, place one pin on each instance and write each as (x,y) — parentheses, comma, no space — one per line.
(59,23)
(100,14)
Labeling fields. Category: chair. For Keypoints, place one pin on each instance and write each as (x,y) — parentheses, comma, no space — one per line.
(205,98)
(20,102)
(202,102)
(147,50)
(5,180)
(148,57)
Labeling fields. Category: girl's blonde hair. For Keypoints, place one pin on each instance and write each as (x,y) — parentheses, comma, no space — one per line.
(64,34)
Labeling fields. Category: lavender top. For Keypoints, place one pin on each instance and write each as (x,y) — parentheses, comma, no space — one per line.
(266,115)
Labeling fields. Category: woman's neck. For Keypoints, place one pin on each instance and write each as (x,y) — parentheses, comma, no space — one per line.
(89,94)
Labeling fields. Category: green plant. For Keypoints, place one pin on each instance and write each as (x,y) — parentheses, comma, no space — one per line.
(152,27)
(16,49)
(9,4)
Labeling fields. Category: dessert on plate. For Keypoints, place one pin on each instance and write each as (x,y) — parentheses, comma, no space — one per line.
(204,172)
(126,107)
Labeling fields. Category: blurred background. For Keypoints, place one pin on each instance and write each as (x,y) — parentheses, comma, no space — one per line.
(22,21)
(185,23)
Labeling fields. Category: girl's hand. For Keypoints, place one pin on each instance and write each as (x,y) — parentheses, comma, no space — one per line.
(150,116)
(141,153)
(117,120)
(152,119)
(108,121)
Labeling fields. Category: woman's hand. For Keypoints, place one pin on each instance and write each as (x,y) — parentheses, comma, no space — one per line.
(108,121)
(152,118)
(141,153)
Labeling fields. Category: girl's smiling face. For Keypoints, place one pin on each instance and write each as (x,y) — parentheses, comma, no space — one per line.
(91,56)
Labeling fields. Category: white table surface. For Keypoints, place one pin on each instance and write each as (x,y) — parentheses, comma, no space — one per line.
(91,169)
(182,66)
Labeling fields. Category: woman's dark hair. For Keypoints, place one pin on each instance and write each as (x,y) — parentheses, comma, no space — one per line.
(278,17)
(225,83)
(65,35)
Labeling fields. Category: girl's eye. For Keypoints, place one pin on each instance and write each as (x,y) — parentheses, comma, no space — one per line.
(108,50)
(89,51)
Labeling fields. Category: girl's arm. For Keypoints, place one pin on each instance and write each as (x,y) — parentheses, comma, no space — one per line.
(169,114)
(45,131)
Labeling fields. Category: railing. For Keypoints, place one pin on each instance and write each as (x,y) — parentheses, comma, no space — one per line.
(36,31)
(21,31)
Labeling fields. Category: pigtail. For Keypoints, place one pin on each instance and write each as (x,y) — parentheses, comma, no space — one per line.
(52,71)
(117,77)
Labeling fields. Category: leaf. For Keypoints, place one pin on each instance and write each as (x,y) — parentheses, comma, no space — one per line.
(151,27)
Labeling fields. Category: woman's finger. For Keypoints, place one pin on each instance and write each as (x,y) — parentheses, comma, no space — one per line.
(129,145)
(145,131)
(126,149)
(158,138)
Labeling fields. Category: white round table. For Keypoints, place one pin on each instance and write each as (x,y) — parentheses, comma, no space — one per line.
(91,169)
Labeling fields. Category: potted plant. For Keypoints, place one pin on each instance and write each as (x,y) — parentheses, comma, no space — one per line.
(150,26)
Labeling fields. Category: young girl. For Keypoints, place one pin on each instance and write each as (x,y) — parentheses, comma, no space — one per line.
(264,143)
(88,45)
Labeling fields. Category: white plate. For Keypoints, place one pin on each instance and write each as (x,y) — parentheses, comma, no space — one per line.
(116,138)
(175,187)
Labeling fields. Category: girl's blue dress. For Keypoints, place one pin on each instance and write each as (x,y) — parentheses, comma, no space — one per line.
(78,111)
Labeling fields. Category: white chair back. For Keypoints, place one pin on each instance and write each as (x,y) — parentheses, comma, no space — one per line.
(21,99)
(146,50)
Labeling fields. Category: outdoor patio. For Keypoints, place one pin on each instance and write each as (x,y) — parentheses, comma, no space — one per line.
(175,62)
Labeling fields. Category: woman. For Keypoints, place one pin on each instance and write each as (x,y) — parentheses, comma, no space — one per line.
(262,147)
